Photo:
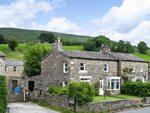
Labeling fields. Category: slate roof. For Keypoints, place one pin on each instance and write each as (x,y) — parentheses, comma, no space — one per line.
(86,55)
(126,56)
(13,63)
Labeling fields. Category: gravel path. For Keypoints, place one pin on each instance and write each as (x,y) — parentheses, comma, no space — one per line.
(142,110)
(29,107)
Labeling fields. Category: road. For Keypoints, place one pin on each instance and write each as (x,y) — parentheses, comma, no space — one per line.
(29,107)
(142,110)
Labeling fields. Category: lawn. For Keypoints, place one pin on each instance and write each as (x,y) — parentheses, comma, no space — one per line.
(101,98)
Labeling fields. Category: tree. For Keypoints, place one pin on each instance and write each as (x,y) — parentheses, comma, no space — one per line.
(128,47)
(142,47)
(2,40)
(46,37)
(113,46)
(68,43)
(12,43)
(121,46)
(89,45)
(32,59)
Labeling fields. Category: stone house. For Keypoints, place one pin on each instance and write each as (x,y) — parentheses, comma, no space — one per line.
(2,63)
(62,66)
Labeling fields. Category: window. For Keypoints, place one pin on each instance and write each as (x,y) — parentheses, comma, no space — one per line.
(144,79)
(113,83)
(6,69)
(85,78)
(15,69)
(65,83)
(132,78)
(106,67)
(133,69)
(65,67)
(82,66)
(141,69)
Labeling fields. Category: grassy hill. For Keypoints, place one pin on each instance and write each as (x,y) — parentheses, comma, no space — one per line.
(22,34)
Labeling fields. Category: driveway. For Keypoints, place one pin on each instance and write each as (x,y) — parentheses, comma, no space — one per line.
(142,110)
(29,107)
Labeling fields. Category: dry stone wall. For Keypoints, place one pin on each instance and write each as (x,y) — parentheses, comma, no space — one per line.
(2,66)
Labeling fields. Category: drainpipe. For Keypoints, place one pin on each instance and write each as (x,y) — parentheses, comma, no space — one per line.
(119,67)
(23,95)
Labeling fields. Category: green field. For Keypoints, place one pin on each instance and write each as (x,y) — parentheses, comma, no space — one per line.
(31,35)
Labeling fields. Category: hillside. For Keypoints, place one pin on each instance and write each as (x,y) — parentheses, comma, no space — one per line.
(22,34)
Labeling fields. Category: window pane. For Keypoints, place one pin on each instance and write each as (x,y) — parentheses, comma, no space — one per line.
(65,64)
(65,69)
(81,64)
(82,68)
(105,69)
(117,85)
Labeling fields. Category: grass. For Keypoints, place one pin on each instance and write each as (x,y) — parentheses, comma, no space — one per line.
(101,98)
(127,96)
(15,55)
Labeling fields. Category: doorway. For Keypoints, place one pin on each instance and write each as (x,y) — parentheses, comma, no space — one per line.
(31,85)
(101,90)
(14,84)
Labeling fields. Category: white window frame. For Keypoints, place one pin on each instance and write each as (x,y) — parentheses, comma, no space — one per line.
(87,78)
(64,67)
(110,78)
(107,67)
(132,78)
(82,66)
(65,85)
(133,69)
(16,69)
(144,79)
(6,68)
(141,69)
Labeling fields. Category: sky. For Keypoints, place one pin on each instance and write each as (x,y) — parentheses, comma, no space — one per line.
(127,20)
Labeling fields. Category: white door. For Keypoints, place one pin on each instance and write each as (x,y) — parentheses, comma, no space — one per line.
(101,90)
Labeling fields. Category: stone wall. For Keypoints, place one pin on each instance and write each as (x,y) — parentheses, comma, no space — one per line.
(61,101)
(2,66)
(19,72)
(137,74)
(52,69)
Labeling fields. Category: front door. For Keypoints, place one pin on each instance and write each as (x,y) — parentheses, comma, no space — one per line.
(14,84)
(101,90)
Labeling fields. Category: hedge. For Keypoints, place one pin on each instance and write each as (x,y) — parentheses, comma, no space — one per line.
(82,91)
(3,94)
(137,88)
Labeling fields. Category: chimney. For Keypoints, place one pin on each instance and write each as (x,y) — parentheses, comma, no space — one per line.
(105,48)
(57,45)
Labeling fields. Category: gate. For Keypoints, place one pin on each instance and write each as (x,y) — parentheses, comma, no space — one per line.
(12,97)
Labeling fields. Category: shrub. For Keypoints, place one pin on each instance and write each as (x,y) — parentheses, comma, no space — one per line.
(136,88)
(83,92)
(53,89)
(63,91)
(3,94)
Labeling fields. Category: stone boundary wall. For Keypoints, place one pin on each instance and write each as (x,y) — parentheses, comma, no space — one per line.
(62,101)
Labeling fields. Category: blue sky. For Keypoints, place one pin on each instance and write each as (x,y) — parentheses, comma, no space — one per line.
(128,20)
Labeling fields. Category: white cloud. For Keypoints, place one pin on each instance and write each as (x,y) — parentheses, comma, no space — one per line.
(59,25)
(20,10)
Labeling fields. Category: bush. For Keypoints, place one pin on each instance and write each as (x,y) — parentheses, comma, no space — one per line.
(53,89)
(136,88)
(63,91)
(3,94)
(82,91)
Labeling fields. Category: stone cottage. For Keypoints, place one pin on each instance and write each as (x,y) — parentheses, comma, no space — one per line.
(2,63)
(59,67)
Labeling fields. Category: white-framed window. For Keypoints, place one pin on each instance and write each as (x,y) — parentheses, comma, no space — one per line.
(6,68)
(144,79)
(113,83)
(141,69)
(65,83)
(85,78)
(14,69)
(106,67)
(133,69)
(82,66)
(132,78)
(65,67)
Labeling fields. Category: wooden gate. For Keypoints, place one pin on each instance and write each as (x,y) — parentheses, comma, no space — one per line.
(15,98)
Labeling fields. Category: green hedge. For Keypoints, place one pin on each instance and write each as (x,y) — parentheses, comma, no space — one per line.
(136,88)
(82,91)
(3,94)
(56,90)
